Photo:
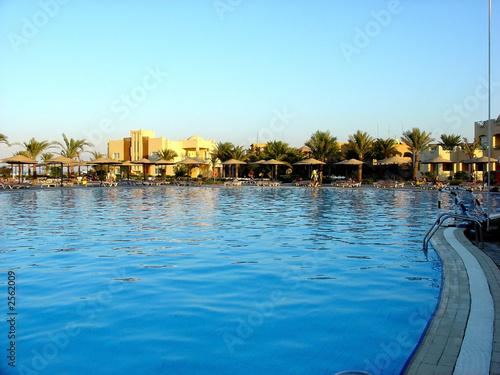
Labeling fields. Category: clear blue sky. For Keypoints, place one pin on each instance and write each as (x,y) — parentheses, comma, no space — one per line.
(234,70)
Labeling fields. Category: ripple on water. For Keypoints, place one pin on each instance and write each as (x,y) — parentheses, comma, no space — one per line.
(209,280)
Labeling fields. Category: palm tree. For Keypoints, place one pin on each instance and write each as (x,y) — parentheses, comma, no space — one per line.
(3,139)
(417,141)
(385,148)
(96,155)
(34,148)
(280,151)
(222,152)
(237,153)
(323,146)
(46,156)
(167,154)
(361,144)
(449,142)
(471,148)
(72,148)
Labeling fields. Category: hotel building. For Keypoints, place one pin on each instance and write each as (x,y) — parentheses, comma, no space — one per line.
(144,144)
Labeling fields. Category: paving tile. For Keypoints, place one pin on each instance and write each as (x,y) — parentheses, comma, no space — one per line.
(439,354)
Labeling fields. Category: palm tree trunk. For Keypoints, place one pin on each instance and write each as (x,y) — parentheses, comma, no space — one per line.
(360,172)
(415,167)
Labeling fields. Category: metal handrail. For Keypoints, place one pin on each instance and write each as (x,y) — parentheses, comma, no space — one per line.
(445,216)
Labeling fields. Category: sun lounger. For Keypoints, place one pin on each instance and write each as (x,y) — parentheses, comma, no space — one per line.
(472,186)
(307,183)
(234,182)
(50,183)
(109,183)
(388,184)
(15,185)
(187,183)
(346,184)
(268,183)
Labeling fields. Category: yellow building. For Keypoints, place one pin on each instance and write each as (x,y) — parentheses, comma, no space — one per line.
(481,132)
(144,144)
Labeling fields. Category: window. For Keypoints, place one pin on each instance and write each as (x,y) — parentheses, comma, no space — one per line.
(483,142)
(116,156)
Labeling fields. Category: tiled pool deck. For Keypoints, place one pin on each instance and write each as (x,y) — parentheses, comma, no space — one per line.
(464,335)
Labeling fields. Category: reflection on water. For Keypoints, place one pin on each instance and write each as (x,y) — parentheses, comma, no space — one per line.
(216,280)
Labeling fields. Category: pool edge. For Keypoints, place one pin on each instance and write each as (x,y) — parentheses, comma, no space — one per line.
(440,346)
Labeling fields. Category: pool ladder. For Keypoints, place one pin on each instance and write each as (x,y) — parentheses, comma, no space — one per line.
(478,229)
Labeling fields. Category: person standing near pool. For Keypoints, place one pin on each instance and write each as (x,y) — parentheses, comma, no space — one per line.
(314,176)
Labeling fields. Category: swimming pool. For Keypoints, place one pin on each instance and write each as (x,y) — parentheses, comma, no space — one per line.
(159,280)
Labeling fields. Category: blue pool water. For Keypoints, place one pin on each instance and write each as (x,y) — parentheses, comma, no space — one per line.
(164,280)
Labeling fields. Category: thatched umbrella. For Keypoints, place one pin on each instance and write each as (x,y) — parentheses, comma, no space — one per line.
(482,160)
(164,162)
(436,161)
(63,161)
(309,162)
(144,162)
(190,162)
(19,160)
(394,160)
(104,161)
(349,162)
(275,163)
(127,164)
(235,162)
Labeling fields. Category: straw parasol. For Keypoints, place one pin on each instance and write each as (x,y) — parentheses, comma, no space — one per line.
(104,161)
(164,162)
(235,162)
(190,162)
(437,160)
(349,162)
(144,162)
(310,161)
(19,160)
(63,161)
(275,163)
(480,160)
(394,160)
(127,164)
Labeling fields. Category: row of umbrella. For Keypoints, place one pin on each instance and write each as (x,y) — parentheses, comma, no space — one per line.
(20,160)
(274,162)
